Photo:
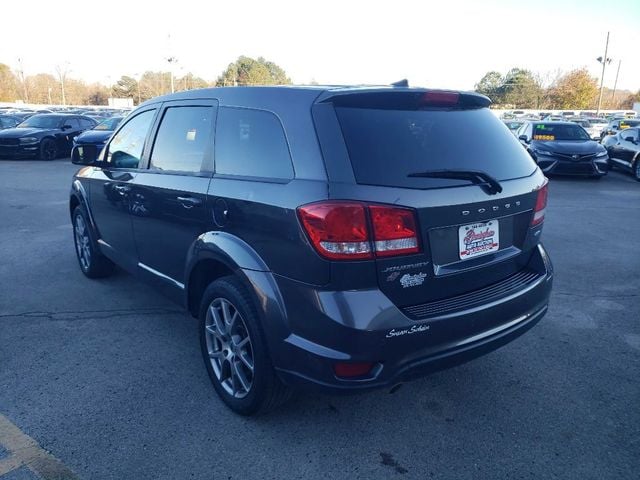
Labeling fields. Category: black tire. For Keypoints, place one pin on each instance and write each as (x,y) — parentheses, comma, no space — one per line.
(92,262)
(48,149)
(266,392)
(636,169)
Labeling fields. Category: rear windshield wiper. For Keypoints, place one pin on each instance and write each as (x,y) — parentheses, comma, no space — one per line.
(474,176)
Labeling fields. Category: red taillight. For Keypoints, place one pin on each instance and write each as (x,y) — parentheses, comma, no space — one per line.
(394,230)
(337,230)
(347,370)
(340,230)
(440,99)
(541,205)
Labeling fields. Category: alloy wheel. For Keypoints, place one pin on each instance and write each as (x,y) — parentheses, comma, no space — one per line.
(82,242)
(229,348)
(49,150)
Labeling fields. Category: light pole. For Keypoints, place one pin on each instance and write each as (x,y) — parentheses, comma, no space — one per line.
(171,61)
(23,80)
(604,61)
(615,86)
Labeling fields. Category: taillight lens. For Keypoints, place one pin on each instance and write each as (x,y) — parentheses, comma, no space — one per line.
(337,230)
(340,230)
(541,205)
(394,230)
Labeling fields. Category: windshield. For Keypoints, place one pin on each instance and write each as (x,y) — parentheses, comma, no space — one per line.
(110,124)
(513,125)
(385,146)
(41,121)
(559,131)
(597,120)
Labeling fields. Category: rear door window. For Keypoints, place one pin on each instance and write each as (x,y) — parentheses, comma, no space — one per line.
(251,143)
(385,146)
(183,139)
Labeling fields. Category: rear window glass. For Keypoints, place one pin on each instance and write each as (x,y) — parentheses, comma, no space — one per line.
(385,146)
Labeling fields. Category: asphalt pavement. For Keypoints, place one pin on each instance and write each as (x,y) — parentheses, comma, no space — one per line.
(104,378)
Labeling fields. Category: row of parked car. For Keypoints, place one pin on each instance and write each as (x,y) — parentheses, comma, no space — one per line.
(48,135)
(580,146)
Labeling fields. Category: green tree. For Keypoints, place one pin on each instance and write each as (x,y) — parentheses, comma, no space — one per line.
(521,89)
(126,87)
(249,71)
(575,90)
(491,86)
(8,84)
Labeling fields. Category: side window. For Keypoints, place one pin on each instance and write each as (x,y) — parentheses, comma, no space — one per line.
(632,132)
(125,149)
(75,125)
(182,139)
(251,143)
(86,124)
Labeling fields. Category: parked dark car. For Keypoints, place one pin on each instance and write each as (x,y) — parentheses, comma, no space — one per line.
(22,116)
(337,239)
(624,150)
(564,148)
(618,125)
(99,134)
(8,121)
(44,136)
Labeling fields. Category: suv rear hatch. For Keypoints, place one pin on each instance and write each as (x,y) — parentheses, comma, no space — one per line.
(472,188)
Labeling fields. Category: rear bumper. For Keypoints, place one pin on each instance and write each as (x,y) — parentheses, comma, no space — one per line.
(362,326)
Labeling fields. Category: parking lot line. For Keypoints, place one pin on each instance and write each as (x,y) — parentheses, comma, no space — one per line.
(25,451)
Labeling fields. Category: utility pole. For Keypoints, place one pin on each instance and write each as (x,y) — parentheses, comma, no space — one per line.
(603,60)
(615,86)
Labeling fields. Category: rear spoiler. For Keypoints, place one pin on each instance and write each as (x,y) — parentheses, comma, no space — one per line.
(400,98)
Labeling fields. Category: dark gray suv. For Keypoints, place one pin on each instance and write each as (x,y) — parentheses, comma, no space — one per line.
(337,238)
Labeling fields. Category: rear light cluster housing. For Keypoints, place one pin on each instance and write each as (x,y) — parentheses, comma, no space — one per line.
(541,205)
(345,230)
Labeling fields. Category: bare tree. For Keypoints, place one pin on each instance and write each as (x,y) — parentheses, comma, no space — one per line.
(62,70)
(23,81)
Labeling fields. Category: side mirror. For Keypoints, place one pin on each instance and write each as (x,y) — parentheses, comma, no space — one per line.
(523,138)
(84,155)
(66,127)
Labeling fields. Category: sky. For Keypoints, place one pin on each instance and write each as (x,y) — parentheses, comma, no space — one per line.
(440,44)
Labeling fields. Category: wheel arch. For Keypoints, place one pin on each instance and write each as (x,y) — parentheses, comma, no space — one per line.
(218,254)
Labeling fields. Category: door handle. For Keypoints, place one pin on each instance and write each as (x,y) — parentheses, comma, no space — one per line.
(121,189)
(189,202)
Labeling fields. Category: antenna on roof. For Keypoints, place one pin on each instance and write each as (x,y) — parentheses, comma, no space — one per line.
(401,83)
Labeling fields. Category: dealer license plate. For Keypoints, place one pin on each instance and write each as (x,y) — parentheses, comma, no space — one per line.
(478,239)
